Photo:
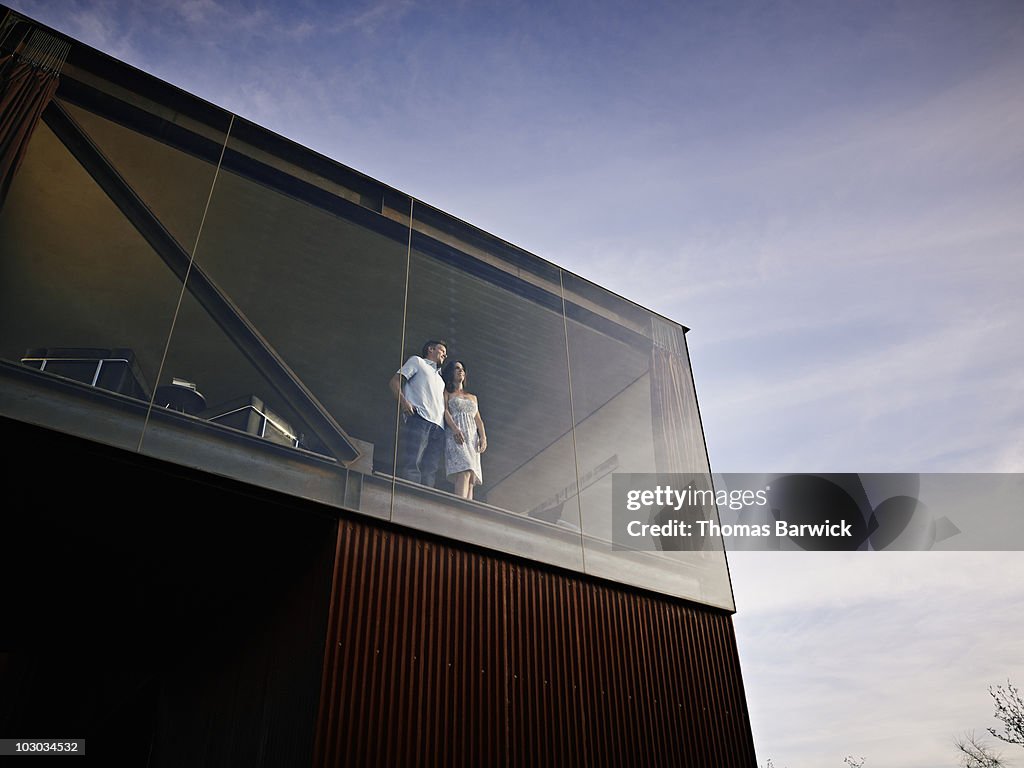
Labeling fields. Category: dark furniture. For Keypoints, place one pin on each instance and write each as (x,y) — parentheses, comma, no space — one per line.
(177,397)
(114,369)
(249,414)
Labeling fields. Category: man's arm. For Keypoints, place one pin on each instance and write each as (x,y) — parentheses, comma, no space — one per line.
(396,389)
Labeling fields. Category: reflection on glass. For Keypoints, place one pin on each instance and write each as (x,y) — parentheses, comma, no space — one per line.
(505,327)
(635,412)
(88,293)
(291,329)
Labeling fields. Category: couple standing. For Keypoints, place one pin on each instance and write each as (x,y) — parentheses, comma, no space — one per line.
(432,395)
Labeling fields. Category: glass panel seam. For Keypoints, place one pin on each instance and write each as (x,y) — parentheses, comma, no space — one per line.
(572,424)
(401,361)
(184,282)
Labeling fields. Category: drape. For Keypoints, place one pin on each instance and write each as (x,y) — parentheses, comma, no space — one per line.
(26,87)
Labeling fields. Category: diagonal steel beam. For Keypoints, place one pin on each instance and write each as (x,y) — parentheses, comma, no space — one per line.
(215,301)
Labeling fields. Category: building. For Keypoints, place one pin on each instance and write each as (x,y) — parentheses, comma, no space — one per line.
(213,560)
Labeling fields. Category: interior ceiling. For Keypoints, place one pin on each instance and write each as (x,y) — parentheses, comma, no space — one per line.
(327,295)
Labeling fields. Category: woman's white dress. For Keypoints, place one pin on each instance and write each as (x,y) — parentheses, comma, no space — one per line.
(459,458)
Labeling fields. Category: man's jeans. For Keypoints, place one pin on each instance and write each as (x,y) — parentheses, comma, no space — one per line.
(420,445)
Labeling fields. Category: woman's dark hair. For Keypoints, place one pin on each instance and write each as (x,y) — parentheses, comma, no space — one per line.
(448,374)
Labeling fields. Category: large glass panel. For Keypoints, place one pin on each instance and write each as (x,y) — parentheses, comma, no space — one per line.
(635,411)
(112,186)
(499,311)
(289,329)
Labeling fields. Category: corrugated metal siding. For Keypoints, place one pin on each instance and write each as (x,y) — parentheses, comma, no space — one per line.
(439,655)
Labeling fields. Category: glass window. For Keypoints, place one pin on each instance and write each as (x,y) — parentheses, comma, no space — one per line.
(503,322)
(635,411)
(289,330)
(101,215)
(187,284)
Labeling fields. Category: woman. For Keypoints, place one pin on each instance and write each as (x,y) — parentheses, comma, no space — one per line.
(465,437)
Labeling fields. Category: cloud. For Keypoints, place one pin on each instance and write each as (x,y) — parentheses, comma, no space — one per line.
(373,16)
(888,655)
(847,579)
(99,25)
(829,195)
(200,13)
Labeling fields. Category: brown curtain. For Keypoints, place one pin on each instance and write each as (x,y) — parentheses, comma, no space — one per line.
(25,90)
(678,439)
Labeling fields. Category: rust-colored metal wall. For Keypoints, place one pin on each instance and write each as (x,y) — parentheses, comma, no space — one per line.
(441,655)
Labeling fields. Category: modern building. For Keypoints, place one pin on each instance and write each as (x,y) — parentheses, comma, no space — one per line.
(211,559)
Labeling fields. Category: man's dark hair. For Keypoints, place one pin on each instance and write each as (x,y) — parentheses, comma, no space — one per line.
(432,343)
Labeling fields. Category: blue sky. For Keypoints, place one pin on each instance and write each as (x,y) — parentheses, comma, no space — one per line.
(829,194)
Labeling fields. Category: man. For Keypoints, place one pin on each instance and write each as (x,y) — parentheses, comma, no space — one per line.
(419,389)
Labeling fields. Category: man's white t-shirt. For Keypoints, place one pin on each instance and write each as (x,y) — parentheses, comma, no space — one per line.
(424,388)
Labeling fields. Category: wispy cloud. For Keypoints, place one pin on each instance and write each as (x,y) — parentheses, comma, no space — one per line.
(891,655)
(202,12)
(372,16)
(829,194)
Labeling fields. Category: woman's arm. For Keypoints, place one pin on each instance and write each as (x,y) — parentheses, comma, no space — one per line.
(450,421)
(481,438)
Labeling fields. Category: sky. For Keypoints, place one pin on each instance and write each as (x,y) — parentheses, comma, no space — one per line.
(830,195)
